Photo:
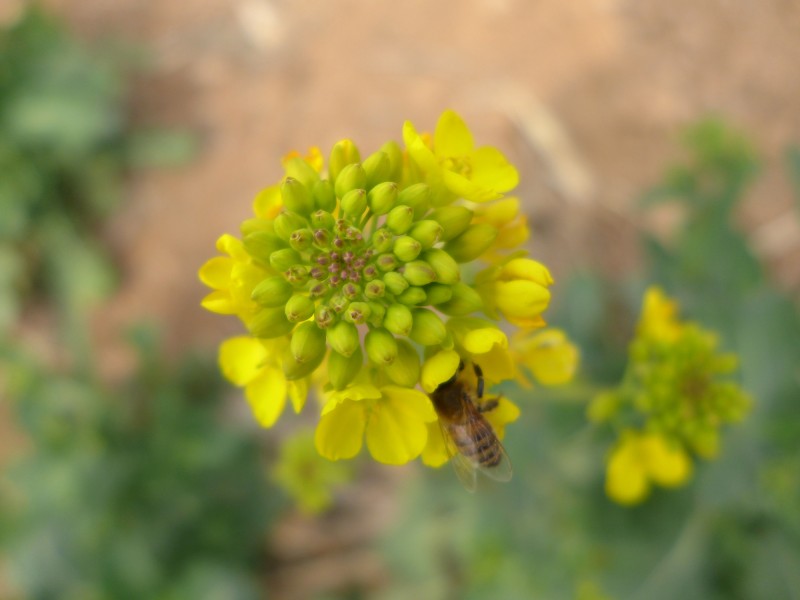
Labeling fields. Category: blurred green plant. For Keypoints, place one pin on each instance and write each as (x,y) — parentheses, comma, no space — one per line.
(733,533)
(137,491)
(65,143)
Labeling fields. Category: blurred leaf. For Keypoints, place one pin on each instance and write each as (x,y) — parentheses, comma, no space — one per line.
(160,148)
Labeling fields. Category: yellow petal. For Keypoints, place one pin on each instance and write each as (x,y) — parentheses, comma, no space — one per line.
(439,368)
(491,170)
(233,247)
(419,152)
(523,299)
(395,433)
(298,393)
(481,341)
(411,401)
(268,203)
(498,213)
(340,431)
(435,452)
(468,189)
(667,464)
(452,137)
(241,359)
(505,413)
(549,355)
(267,396)
(626,480)
(526,269)
(219,302)
(216,273)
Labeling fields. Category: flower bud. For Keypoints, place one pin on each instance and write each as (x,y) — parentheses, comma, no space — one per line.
(416,196)
(343,153)
(324,196)
(453,219)
(413,296)
(249,226)
(375,289)
(395,156)
(301,239)
(400,219)
(438,293)
(387,262)
(354,203)
(352,177)
(293,369)
(418,272)
(298,169)
(299,308)
(322,219)
(281,260)
(443,265)
(272,291)
(338,303)
(297,275)
(343,338)
(287,223)
(343,369)
(262,244)
(406,248)
(382,240)
(405,368)
(351,291)
(428,329)
(296,196)
(269,323)
(426,232)
(381,347)
(322,238)
(357,313)
(395,282)
(324,316)
(377,312)
(308,343)
(382,197)
(465,300)
(398,319)
(473,242)
(377,168)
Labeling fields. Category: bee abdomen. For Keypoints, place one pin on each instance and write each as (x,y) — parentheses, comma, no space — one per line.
(482,448)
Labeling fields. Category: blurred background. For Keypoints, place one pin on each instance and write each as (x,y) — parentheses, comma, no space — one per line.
(133,133)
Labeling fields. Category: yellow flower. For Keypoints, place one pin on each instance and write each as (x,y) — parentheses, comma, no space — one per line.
(232,277)
(548,355)
(641,459)
(314,158)
(517,288)
(511,225)
(480,341)
(659,318)
(255,365)
(392,418)
(479,175)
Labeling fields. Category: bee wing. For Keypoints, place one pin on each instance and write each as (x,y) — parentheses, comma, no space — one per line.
(464,468)
(479,428)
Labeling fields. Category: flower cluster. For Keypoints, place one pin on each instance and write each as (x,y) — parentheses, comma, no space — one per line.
(670,404)
(366,280)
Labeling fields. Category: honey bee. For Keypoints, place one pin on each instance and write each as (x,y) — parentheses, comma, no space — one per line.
(471,442)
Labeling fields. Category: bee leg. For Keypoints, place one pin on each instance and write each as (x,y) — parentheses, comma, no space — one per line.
(479,375)
(489,405)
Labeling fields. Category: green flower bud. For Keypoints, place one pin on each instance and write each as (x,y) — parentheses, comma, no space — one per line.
(377,168)
(253,225)
(281,260)
(299,308)
(343,338)
(465,301)
(296,196)
(343,369)
(322,219)
(404,370)
(428,329)
(324,196)
(272,291)
(343,153)
(287,223)
(377,312)
(395,282)
(354,203)
(297,275)
(381,347)
(475,240)
(293,369)
(298,169)
(357,313)
(352,177)
(438,293)
(398,319)
(351,291)
(418,272)
(261,244)
(382,240)
(413,296)
(308,343)
(387,262)
(426,232)
(395,156)
(443,265)
(270,323)
(322,238)
(406,248)
(416,196)
(400,219)
(324,316)
(375,289)
(382,197)
(453,219)
(338,303)
(301,239)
